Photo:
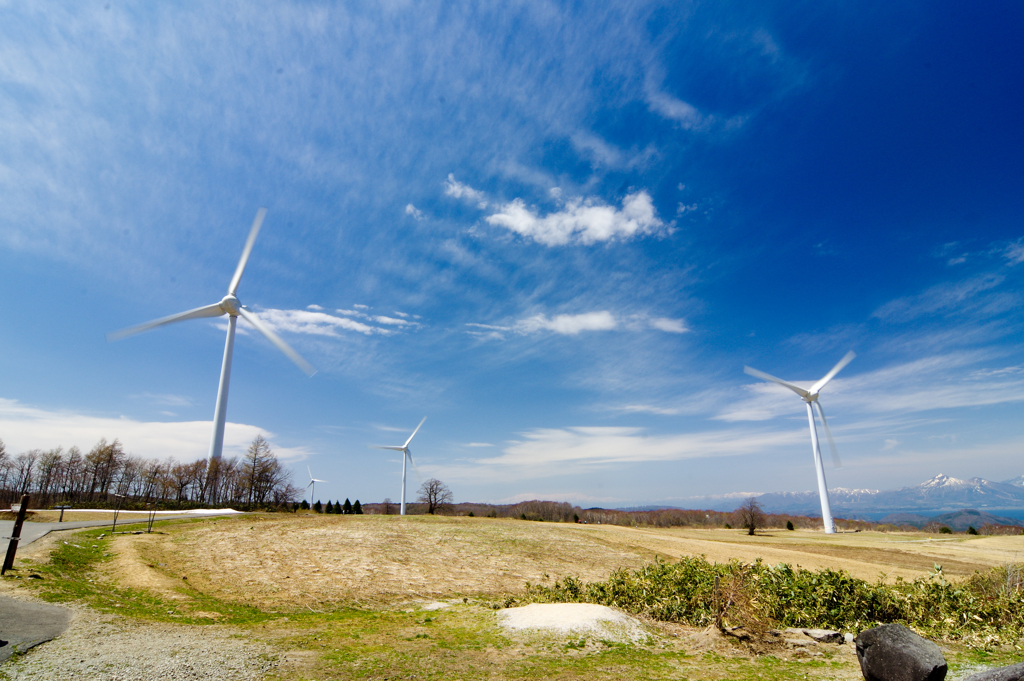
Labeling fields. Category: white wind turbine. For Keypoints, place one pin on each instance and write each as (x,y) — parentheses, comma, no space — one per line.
(810,397)
(406,456)
(312,486)
(231,306)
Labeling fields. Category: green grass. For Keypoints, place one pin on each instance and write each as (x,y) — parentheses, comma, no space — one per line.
(464,642)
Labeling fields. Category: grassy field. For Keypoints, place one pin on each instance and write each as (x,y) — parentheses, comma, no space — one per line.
(350,596)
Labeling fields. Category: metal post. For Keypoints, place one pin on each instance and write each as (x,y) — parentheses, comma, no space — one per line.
(12,548)
(120,498)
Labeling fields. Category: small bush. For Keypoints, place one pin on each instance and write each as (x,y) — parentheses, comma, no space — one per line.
(985,609)
(971,530)
(945,530)
(789,525)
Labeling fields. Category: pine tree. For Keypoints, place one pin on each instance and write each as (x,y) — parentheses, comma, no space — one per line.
(357,508)
(329,508)
(337,507)
(318,507)
(304,505)
(347,508)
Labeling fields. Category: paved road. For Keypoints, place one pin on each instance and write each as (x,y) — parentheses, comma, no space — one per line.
(32,531)
(25,624)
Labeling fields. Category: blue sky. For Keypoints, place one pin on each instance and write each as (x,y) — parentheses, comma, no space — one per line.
(559,231)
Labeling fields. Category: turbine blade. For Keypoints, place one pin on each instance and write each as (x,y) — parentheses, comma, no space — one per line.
(306,367)
(310,484)
(415,468)
(214,310)
(310,472)
(415,431)
(828,433)
(750,371)
(253,233)
(847,358)
(393,448)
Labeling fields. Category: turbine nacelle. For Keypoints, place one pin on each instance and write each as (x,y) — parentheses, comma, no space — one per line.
(230,304)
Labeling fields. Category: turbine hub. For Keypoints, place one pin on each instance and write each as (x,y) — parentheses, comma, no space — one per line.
(230,304)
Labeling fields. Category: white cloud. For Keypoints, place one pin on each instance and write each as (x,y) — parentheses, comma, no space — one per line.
(457,190)
(585,221)
(677,110)
(315,323)
(936,382)
(546,452)
(669,325)
(568,325)
(414,212)
(361,307)
(166,400)
(26,428)
(478,444)
(1015,252)
(938,299)
(314,307)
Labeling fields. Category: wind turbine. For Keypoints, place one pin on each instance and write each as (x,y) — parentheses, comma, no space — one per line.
(231,306)
(810,397)
(312,484)
(407,455)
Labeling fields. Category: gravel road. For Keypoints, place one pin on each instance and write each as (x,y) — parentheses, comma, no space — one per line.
(99,647)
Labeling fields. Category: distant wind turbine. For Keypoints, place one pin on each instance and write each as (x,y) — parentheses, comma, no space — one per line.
(312,486)
(406,455)
(810,397)
(231,306)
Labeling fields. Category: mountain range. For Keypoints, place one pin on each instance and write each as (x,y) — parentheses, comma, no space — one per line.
(940,494)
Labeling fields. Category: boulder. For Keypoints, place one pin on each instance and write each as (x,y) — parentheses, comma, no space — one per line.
(1015,672)
(892,652)
(824,635)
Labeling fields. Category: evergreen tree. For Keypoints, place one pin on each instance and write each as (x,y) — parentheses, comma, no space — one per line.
(337,507)
(304,505)
(329,508)
(347,508)
(318,507)
(357,508)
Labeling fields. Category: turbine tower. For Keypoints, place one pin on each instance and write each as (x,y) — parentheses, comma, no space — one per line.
(231,306)
(312,484)
(406,455)
(810,397)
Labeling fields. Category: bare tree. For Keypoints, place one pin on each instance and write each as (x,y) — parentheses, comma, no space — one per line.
(385,506)
(436,495)
(750,515)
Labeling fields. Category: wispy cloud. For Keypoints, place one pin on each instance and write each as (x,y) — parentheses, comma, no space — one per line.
(940,299)
(1014,253)
(318,323)
(415,212)
(546,452)
(568,324)
(458,190)
(26,427)
(669,325)
(581,221)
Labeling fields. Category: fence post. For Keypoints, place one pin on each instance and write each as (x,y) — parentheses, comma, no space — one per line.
(12,547)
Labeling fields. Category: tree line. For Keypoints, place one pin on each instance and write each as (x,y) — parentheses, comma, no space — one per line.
(106,475)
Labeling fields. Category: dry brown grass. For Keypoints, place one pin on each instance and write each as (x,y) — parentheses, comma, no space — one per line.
(283,562)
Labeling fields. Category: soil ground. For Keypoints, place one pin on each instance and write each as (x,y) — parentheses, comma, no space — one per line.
(389,597)
(283,562)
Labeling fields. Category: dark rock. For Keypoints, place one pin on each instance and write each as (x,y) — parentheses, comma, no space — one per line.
(824,635)
(1015,672)
(892,652)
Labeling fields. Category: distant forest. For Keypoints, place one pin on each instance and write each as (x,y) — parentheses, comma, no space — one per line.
(107,476)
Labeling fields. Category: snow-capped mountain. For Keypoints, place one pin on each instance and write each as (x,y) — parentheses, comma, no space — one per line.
(939,494)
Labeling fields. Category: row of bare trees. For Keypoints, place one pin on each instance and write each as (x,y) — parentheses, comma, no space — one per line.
(60,476)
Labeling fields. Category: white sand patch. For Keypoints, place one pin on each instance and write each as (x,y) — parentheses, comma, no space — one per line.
(436,605)
(574,618)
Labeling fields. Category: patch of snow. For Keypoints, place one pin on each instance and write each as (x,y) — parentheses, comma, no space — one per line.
(574,618)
